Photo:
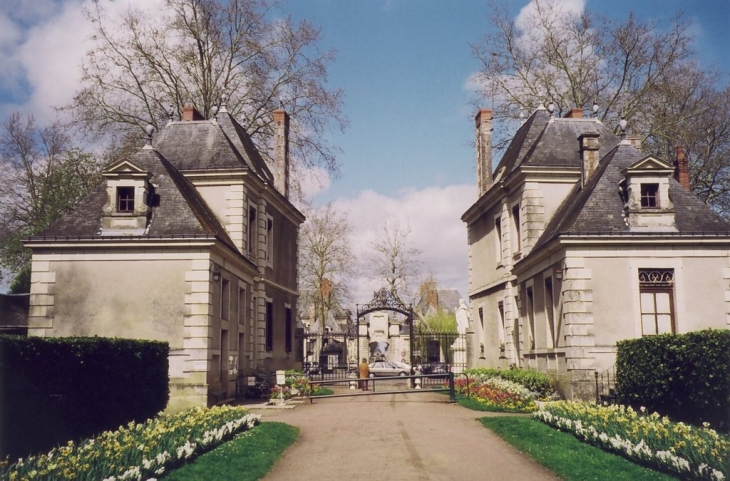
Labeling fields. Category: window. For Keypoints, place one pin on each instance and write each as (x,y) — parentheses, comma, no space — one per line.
(288,329)
(498,239)
(531,317)
(649,196)
(125,199)
(269,326)
(656,287)
(241,351)
(270,240)
(225,298)
(500,327)
(550,312)
(517,241)
(242,306)
(251,230)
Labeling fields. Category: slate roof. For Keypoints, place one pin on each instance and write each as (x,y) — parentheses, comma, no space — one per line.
(543,141)
(180,210)
(597,208)
(219,143)
(447,299)
(215,144)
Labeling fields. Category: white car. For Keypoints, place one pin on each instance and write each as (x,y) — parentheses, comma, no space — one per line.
(386,368)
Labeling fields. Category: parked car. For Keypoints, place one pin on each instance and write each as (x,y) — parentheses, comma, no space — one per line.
(311,368)
(436,368)
(385,368)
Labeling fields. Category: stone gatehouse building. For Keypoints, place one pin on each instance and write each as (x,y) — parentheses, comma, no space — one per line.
(578,240)
(192,241)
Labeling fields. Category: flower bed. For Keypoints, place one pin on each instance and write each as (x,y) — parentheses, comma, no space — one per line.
(690,453)
(136,451)
(499,393)
(298,381)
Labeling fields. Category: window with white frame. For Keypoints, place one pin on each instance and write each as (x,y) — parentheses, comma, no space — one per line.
(251,231)
(656,287)
(498,239)
(270,241)
(225,299)
(516,234)
(531,317)
(550,312)
(269,334)
(125,199)
(650,196)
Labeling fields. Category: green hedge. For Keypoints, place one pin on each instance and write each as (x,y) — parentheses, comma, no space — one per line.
(533,380)
(59,389)
(685,377)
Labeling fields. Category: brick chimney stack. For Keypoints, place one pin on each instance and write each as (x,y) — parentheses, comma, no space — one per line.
(574,114)
(484,150)
(589,155)
(281,152)
(191,113)
(681,168)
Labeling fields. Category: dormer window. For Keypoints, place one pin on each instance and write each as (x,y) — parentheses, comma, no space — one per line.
(649,194)
(125,199)
(645,193)
(130,198)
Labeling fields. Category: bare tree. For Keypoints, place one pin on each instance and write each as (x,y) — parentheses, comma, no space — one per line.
(200,52)
(394,261)
(630,68)
(42,179)
(573,60)
(326,262)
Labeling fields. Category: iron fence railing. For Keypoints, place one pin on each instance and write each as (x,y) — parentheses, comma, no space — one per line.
(606,386)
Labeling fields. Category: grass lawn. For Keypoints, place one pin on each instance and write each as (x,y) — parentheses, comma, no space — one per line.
(249,456)
(565,455)
(325,391)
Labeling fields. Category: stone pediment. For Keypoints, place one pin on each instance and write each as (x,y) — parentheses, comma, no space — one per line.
(125,168)
(649,165)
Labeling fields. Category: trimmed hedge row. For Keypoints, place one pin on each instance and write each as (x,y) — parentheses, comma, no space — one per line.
(58,389)
(535,381)
(685,377)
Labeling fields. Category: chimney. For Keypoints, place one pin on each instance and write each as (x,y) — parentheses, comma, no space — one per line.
(484,150)
(574,114)
(281,152)
(634,140)
(191,113)
(681,168)
(589,155)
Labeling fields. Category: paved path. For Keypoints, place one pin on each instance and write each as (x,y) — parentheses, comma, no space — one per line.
(399,437)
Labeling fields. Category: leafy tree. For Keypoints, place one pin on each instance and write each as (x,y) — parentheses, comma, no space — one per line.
(628,68)
(394,261)
(42,179)
(326,262)
(200,52)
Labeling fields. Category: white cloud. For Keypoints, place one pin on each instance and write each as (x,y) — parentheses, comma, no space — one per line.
(434,217)
(45,50)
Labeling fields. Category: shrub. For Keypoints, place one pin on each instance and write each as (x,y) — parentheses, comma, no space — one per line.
(685,377)
(534,381)
(59,389)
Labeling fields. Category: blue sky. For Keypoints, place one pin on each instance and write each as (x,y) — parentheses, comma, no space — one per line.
(403,64)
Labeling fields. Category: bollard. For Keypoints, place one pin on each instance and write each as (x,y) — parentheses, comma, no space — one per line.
(281,381)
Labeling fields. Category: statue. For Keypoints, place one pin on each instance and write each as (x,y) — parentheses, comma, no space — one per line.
(462,317)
